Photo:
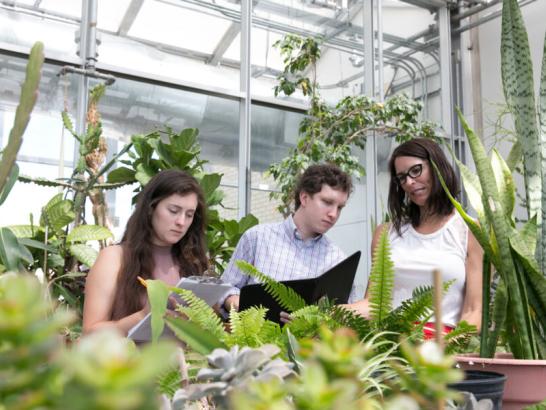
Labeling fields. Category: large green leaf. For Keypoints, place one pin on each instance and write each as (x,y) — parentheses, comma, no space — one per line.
(144,173)
(84,233)
(11,251)
(31,243)
(121,174)
(247,222)
(196,338)
(57,214)
(24,231)
(209,183)
(185,140)
(84,253)
(158,294)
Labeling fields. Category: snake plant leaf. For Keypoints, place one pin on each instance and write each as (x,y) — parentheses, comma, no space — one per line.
(498,318)
(505,184)
(542,118)
(517,80)
(381,279)
(477,230)
(514,156)
(84,233)
(473,191)
(501,227)
(528,234)
(84,253)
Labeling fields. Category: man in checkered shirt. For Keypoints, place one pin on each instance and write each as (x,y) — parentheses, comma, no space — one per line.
(297,247)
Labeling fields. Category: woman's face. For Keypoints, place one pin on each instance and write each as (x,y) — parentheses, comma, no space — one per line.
(172,217)
(414,176)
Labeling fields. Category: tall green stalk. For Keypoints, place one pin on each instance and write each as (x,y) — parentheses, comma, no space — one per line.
(29,94)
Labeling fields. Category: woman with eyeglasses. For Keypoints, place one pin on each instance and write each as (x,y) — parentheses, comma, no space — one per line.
(427,233)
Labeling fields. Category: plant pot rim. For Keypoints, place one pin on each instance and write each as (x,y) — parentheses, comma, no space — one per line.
(500,358)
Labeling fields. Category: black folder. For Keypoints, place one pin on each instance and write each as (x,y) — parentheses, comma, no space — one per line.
(336,284)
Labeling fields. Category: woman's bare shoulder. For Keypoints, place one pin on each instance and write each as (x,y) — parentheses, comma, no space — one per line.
(108,261)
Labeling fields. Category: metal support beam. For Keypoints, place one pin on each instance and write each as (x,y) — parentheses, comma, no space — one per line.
(129,17)
(224,43)
(244,111)
(446,75)
(371,149)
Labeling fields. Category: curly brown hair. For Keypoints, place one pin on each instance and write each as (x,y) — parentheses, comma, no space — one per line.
(315,176)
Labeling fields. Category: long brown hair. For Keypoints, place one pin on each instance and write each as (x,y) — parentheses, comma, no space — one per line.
(402,211)
(189,252)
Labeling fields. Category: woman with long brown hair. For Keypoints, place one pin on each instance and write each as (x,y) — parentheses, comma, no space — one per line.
(426,233)
(164,239)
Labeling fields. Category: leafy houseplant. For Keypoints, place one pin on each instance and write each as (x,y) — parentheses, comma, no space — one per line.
(167,149)
(332,134)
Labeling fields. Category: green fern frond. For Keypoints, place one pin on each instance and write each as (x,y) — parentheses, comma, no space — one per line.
(347,318)
(287,297)
(458,338)
(246,327)
(307,321)
(169,382)
(381,279)
(198,311)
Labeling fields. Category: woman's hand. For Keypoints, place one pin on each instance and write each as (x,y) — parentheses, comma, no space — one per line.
(361,307)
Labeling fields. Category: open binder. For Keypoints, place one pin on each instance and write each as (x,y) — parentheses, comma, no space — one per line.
(336,284)
(209,289)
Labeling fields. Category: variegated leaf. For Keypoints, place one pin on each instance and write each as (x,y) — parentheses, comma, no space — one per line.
(84,233)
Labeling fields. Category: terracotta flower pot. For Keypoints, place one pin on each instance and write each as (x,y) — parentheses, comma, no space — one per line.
(526,383)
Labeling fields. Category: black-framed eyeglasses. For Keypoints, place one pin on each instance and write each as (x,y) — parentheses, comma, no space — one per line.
(414,172)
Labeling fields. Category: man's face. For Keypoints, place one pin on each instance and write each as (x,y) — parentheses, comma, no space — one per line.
(321,210)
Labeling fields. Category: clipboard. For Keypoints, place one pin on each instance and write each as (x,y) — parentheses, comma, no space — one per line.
(207,288)
(335,283)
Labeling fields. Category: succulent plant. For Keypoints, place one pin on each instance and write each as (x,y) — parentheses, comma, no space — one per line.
(233,369)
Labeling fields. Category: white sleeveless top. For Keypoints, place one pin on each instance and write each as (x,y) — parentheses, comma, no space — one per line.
(416,255)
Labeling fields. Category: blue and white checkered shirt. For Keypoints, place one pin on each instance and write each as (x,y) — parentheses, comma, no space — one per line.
(278,251)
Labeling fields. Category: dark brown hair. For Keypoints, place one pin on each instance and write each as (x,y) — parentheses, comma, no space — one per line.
(317,175)
(403,211)
(189,252)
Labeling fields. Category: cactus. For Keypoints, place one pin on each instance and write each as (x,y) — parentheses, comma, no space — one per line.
(29,94)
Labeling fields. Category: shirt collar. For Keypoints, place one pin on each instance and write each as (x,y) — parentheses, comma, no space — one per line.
(292,230)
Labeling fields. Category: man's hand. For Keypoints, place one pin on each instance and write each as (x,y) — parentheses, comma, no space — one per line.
(286,317)
(232,302)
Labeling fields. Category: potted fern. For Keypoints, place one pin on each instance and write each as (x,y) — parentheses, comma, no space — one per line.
(517,313)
